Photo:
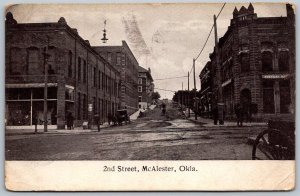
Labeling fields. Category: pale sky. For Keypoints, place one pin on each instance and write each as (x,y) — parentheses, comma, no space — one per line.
(164,37)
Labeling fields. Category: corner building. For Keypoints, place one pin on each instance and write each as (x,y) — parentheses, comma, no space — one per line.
(257,64)
(80,81)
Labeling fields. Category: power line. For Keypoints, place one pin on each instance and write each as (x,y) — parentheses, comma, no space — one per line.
(171,78)
(209,33)
(208,36)
(164,89)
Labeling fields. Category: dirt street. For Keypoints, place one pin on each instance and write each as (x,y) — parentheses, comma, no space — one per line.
(153,137)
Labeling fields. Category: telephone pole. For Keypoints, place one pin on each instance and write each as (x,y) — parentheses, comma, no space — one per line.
(46,55)
(220,94)
(189,114)
(195,95)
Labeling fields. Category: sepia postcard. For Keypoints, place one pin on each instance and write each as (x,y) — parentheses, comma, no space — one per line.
(150,97)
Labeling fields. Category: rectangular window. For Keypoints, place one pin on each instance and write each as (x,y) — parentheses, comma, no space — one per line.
(33,61)
(140,81)
(79,107)
(245,62)
(119,57)
(84,107)
(70,64)
(140,98)
(283,61)
(84,71)
(95,78)
(99,79)
(79,69)
(140,89)
(109,57)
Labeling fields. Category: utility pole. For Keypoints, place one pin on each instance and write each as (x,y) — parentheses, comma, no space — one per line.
(189,114)
(182,95)
(46,55)
(195,95)
(220,94)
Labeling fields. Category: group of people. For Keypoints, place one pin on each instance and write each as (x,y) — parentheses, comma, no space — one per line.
(241,111)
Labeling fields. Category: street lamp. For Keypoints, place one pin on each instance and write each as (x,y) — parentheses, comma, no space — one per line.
(104,39)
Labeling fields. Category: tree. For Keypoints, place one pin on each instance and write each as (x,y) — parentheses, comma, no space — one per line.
(155,96)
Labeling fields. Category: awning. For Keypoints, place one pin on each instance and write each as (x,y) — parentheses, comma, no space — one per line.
(226,82)
(30,85)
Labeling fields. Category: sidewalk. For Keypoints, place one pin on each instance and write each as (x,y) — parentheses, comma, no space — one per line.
(15,130)
(210,123)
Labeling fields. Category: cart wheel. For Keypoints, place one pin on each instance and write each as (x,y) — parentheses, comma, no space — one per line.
(273,144)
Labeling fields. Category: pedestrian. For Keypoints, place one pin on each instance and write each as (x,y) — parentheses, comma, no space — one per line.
(109,118)
(96,119)
(215,115)
(239,114)
(35,122)
(70,121)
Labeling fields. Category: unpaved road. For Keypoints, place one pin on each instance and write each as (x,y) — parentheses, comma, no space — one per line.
(153,137)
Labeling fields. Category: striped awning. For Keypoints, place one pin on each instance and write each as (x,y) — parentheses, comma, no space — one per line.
(30,85)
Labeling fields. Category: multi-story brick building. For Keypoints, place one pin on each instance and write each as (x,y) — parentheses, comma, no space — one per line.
(125,61)
(206,90)
(78,76)
(257,64)
(145,87)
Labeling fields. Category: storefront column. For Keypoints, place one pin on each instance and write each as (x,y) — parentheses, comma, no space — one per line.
(277,97)
(61,102)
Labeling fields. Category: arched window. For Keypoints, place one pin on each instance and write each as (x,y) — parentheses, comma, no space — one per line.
(267,61)
(245,62)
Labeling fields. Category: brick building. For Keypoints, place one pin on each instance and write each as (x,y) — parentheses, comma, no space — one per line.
(78,76)
(257,64)
(145,87)
(206,90)
(125,61)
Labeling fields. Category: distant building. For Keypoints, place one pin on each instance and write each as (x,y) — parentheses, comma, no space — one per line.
(145,87)
(206,91)
(257,64)
(80,81)
(126,63)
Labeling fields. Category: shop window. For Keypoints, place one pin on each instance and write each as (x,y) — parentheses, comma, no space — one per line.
(38,93)
(267,61)
(283,60)
(268,97)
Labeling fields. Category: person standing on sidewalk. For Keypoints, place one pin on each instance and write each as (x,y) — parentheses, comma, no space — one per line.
(35,122)
(239,114)
(70,121)
(215,114)
(96,119)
